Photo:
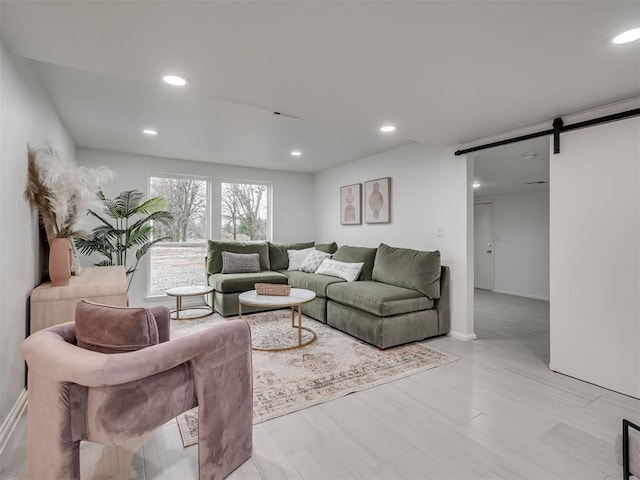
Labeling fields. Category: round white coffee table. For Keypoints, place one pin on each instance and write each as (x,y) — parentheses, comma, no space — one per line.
(190,291)
(296,298)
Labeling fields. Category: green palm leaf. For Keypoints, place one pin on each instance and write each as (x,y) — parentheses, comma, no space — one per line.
(114,240)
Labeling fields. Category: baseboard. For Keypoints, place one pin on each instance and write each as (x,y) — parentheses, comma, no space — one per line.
(9,424)
(465,337)
(520,294)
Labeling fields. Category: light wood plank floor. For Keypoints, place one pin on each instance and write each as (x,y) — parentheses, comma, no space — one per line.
(497,413)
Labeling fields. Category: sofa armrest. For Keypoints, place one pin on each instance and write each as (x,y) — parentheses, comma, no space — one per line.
(49,354)
(443,304)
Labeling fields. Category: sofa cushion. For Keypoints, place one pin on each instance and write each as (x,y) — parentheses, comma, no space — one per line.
(365,255)
(313,260)
(110,329)
(312,281)
(240,262)
(379,298)
(278,258)
(327,247)
(216,247)
(242,282)
(408,268)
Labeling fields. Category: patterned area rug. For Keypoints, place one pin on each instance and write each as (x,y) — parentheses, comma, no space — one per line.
(331,367)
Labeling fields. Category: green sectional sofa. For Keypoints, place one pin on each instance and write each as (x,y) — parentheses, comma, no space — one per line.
(401,295)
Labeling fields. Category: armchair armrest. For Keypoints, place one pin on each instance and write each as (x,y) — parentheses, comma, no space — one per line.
(49,353)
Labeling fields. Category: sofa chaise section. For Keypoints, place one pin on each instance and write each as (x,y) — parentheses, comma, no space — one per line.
(387,315)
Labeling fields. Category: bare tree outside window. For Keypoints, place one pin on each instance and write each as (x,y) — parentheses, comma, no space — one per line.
(180,261)
(187,201)
(245,209)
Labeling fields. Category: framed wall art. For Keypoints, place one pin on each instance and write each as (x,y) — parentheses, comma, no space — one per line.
(377,200)
(351,204)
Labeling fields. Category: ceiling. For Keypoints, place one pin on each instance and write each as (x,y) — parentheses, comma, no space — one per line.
(504,169)
(445,72)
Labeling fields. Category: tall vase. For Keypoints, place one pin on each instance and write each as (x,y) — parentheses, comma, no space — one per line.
(60,261)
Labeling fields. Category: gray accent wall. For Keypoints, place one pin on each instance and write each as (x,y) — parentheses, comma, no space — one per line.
(27,117)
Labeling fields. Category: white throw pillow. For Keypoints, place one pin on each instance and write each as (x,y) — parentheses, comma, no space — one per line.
(296,257)
(313,261)
(333,268)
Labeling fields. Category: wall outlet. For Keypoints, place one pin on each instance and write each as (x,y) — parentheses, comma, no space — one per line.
(440,232)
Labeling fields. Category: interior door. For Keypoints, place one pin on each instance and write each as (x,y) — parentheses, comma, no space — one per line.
(483,246)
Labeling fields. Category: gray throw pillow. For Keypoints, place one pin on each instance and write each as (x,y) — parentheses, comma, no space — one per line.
(240,262)
(216,247)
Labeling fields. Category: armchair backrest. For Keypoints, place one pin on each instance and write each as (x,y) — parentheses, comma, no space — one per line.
(77,394)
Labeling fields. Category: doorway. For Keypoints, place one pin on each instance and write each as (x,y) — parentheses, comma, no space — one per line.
(511,235)
(484,267)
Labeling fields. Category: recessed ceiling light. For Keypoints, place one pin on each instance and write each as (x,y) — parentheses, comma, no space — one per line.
(150,131)
(387,128)
(476,184)
(626,37)
(296,153)
(175,80)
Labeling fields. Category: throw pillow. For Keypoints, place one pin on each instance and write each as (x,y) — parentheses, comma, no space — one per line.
(313,261)
(109,329)
(278,257)
(355,255)
(408,268)
(347,271)
(296,257)
(216,247)
(240,262)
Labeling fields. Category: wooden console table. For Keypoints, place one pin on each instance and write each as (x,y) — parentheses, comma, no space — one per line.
(53,305)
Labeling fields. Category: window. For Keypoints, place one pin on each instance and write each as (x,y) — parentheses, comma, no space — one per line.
(245,211)
(179,260)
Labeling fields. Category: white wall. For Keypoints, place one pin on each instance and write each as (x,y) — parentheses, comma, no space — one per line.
(292,201)
(595,256)
(429,190)
(27,117)
(521,243)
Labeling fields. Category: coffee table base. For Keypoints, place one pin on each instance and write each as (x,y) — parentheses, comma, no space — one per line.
(292,347)
(175,313)
(299,327)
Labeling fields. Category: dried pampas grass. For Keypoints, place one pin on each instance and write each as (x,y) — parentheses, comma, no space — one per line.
(61,190)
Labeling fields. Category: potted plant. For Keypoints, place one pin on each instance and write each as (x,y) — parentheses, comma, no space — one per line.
(130,229)
(62,192)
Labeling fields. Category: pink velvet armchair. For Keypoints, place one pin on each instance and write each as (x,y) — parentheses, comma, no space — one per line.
(76,393)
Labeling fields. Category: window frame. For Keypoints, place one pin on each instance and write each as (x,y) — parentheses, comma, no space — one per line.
(208,228)
(269,186)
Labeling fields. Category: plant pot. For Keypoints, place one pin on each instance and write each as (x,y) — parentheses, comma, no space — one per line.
(60,261)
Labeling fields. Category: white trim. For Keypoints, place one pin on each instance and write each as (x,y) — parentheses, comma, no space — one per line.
(519,294)
(10,423)
(465,337)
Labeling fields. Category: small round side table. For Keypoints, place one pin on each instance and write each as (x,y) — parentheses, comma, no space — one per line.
(189,291)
